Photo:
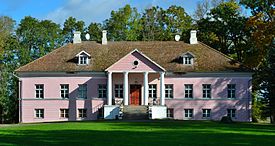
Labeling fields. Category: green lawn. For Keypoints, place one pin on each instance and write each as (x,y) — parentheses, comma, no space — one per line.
(167,133)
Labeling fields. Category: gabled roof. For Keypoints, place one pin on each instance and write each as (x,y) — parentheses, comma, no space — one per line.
(82,53)
(162,53)
(136,50)
(189,54)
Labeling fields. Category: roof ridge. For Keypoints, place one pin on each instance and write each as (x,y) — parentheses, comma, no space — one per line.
(41,57)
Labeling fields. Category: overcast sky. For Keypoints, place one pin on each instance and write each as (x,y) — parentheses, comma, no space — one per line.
(86,10)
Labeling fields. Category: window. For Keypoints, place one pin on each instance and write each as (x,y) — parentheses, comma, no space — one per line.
(188,91)
(102,91)
(64,91)
(153,91)
(206,91)
(206,113)
(231,113)
(188,113)
(82,113)
(64,113)
(170,113)
(168,91)
(83,60)
(187,60)
(119,90)
(39,113)
(231,91)
(82,91)
(39,91)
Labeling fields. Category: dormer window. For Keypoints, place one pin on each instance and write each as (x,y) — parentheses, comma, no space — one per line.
(83,58)
(187,58)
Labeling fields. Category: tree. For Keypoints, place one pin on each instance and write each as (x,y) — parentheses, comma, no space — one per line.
(204,7)
(37,38)
(70,25)
(176,21)
(262,26)
(223,29)
(124,24)
(153,24)
(95,31)
(6,28)
(8,83)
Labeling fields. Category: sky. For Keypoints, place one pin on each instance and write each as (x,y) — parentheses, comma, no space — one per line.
(86,10)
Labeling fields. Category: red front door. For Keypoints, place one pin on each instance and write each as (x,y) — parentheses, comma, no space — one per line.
(135,94)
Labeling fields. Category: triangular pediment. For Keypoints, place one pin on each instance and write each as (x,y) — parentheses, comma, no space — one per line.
(135,61)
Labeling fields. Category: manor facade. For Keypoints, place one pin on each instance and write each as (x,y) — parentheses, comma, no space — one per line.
(87,80)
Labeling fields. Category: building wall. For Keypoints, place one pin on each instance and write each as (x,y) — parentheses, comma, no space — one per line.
(218,102)
(52,102)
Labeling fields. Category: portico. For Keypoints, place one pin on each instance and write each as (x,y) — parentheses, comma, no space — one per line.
(128,82)
(135,87)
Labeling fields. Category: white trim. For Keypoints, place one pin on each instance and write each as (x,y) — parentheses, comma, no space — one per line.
(145,88)
(188,52)
(109,89)
(209,74)
(62,74)
(126,88)
(136,50)
(122,71)
(82,52)
(162,89)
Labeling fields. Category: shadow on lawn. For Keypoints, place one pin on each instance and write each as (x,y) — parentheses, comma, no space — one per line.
(141,133)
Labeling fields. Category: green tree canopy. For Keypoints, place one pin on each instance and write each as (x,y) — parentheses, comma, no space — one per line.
(37,38)
(70,25)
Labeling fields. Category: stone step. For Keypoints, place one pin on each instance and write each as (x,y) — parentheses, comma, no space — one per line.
(135,112)
(138,116)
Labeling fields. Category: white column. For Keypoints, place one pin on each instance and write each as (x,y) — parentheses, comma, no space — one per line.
(125,89)
(162,89)
(145,92)
(109,88)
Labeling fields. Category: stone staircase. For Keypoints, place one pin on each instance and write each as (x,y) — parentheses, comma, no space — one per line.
(131,112)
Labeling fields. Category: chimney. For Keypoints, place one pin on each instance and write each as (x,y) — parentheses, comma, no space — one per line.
(193,37)
(104,37)
(77,38)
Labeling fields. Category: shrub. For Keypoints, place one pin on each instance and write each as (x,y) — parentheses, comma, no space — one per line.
(226,119)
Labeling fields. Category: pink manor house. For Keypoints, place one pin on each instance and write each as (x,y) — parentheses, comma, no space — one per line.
(87,80)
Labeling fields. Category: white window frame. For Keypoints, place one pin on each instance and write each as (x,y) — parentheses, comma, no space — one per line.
(206,91)
(82,91)
(82,113)
(188,113)
(119,90)
(39,113)
(187,60)
(39,91)
(188,91)
(169,92)
(231,113)
(152,91)
(231,91)
(64,113)
(82,59)
(64,91)
(206,113)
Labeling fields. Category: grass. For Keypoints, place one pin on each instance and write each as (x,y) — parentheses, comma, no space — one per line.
(167,133)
